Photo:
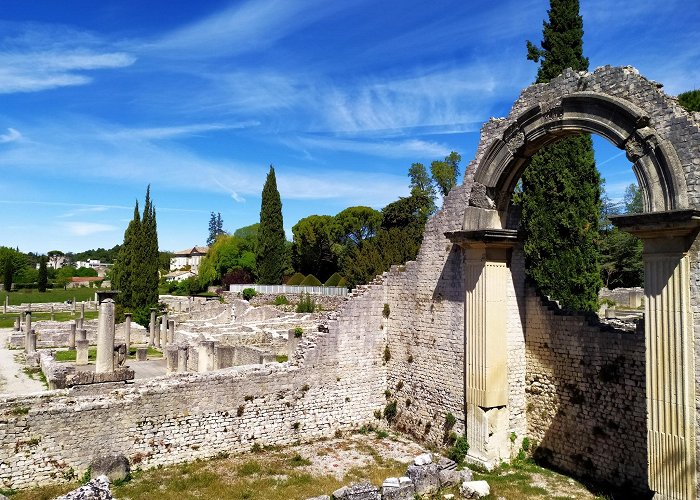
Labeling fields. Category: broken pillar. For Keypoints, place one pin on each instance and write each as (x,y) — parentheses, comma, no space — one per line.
(104,361)
(82,311)
(31,346)
(18,325)
(127,331)
(292,343)
(171,354)
(71,336)
(27,329)
(81,352)
(82,334)
(152,327)
(53,316)
(171,330)
(141,353)
(206,356)
(182,359)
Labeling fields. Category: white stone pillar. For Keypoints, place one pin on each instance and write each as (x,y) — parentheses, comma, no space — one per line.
(81,352)
(171,330)
(127,332)
(32,342)
(74,305)
(53,316)
(171,358)
(670,349)
(71,336)
(162,332)
(82,311)
(206,356)
(18,324)
(152,327)
(104,361)
(27,329)
(182,359)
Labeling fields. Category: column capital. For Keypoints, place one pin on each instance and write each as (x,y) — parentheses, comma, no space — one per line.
(480,238)
(671,223)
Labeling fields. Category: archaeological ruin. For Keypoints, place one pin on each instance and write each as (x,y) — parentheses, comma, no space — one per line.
(457,332)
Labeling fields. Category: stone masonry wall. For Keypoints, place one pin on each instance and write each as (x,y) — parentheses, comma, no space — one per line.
(586,395)
(335,381)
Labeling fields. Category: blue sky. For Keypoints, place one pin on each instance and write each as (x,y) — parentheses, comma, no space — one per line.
(99,99)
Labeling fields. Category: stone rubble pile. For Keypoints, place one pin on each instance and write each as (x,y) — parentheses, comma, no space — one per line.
(96,489)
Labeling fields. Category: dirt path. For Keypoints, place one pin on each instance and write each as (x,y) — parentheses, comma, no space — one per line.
(12,379)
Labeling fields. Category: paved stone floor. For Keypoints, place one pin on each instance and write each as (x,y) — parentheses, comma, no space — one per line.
(12,379)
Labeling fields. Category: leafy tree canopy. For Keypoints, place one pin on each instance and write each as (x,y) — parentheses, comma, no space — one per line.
(313,248)
(690,100)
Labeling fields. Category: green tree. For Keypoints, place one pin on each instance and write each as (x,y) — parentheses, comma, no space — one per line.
(690,100)
(634,204)
(314,248)
(11,261)
(561,186)
(216,227)
(135,272)
(43,277)
(356,224)
(422,185)
(445,172)
(55,257)
(272,249)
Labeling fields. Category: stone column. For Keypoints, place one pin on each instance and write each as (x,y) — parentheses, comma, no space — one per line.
(104,361)
(487,274)
(27,329)
(152,327)
(7,303)
(171,358)
(18,324)
(158,332)
(82,311)
(71,336)
(79,323)
(74,306)
(81,352)
(182,359)
(206,356)
(127,332)
(292,343)
(53,316)
(171,330)
(32,342)
(165,339)
(82,334)
(670,353)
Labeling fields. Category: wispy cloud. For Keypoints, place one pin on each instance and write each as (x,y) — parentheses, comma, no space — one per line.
(408,148)
(156,133)
(37,57)
(88,228)
(12,135)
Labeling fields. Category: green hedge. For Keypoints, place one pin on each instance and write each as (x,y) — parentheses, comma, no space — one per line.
(334,280)
(296,279)
(311,280)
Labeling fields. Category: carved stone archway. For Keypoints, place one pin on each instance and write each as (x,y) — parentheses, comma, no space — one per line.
(663,143)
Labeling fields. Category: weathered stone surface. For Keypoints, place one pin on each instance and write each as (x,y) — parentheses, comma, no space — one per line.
(82,378)
(97,489)
(322,497)
(475,489)
(115,467)
(395,488)
(358,491)
(423,459)
(424,477)
(451,477)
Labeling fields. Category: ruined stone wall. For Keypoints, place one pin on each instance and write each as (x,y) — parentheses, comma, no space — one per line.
(335,381)
(586,395)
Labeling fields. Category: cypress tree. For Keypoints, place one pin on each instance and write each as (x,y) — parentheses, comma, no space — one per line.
(148,290)
(124,272)
(271,252)
(561,186)
(43,274)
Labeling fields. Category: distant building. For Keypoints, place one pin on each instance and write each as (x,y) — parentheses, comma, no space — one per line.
(78,281)
(179,275)
(100,267)
(189,257)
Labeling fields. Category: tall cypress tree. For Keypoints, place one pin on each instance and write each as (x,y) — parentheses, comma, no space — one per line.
(149,251)
(561,186)
(124,271)
(43,279)
(271,252)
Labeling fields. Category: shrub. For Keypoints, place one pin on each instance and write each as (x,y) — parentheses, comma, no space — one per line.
(298,332)
(390,411)
(459,450)
(386,311)
(236,276)
(450,421)
(333,280)
(296,279)
(281,300)
(342,282)
(387,354)
(306,305)
(248,293)
(311,280)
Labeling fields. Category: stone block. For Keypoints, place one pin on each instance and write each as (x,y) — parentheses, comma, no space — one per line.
(475,489)
(358,491)
(398,489)
(141,353)
(452,477)
(424,477)
(97,489)
(423,459)
(115,467)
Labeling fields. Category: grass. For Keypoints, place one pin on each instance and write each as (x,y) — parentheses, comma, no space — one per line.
(92,353)
(8,320)
(35,373)
(53,295)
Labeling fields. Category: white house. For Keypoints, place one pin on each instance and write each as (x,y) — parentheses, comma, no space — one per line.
(179,275)
(188,257)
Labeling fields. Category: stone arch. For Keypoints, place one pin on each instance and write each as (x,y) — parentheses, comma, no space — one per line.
(663,144)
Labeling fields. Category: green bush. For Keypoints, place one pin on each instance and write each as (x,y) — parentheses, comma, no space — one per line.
(459,450)
(311,280)
(390,411)
(342,282)
(333,280)
(298,332)
(386,311)
(296,279)
(281,300)
(307,304)
(248,293)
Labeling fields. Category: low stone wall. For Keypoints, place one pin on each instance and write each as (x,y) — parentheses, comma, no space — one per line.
(336,381)
(624,297)
(586,396)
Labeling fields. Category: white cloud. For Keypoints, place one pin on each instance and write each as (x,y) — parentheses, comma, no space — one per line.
(408,148)
(88,228)
(11,136)
(177,130)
